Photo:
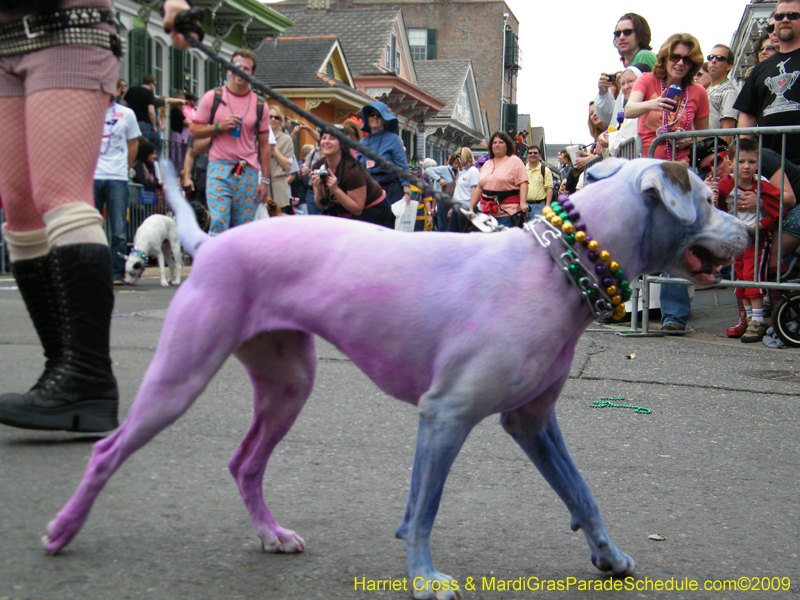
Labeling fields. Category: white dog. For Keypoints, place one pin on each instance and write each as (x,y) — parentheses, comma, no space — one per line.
(157,236)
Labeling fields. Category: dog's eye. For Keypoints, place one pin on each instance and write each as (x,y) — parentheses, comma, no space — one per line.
(138,266)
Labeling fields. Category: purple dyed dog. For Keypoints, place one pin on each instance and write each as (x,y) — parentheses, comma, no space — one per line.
(349,278)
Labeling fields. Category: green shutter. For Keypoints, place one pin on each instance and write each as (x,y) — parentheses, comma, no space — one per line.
(212,74)
(140,53)
(431,50)
(176,65)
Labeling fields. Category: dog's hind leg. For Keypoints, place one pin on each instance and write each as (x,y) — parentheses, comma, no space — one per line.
(281,367)
(161,270)
(184,363)
(539,435)
(441,434)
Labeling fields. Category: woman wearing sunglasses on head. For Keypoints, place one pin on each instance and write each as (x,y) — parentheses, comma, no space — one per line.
(679,60)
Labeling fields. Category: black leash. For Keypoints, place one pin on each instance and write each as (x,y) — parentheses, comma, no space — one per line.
(188,22)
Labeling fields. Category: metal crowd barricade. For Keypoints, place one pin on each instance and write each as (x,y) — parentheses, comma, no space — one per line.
(777,285)
(631,148)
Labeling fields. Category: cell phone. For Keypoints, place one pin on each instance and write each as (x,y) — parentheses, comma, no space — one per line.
(674,93)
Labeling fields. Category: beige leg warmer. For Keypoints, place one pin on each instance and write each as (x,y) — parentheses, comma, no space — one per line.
(26,245)
(74,223)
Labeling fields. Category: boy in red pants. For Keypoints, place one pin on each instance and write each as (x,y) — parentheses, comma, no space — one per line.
(747,201)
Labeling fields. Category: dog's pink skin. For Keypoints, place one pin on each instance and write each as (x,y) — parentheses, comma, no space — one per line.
(463,326)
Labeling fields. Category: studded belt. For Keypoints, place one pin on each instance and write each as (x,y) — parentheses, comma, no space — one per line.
(64,27)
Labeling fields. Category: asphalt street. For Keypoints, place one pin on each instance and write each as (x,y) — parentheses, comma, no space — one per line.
(712,473)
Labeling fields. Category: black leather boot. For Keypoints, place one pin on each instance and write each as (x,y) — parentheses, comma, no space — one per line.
(33,281)
(77,391)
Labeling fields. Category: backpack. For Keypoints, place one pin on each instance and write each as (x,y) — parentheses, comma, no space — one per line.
(556,179)
(218,101)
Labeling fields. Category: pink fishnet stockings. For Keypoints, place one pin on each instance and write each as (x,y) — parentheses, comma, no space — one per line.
(50,145)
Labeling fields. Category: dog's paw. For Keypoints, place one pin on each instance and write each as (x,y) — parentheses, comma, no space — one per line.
(281,540)
(164,283)
(611,559)
(60,532)
(175,282)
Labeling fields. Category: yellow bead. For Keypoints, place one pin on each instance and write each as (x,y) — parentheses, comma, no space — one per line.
(605,256)
(580,236)
(593,246)
(546,211)
(567,227)
(611,290)
(616,300)
(556,221)
(613,266)
(619,312)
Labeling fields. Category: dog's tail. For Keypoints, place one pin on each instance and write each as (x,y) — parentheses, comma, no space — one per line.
(192,237)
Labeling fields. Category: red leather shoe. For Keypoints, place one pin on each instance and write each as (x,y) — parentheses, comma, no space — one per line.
(739,329)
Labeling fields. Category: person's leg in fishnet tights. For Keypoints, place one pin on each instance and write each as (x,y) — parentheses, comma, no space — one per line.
(60,256)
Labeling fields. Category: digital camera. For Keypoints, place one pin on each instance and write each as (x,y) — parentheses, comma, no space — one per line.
(322,172)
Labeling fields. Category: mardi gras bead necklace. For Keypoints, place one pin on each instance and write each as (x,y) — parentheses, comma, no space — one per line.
(666,123)
(604,286)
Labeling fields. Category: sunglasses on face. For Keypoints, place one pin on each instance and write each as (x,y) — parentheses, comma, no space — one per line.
(706,171)
(717,57)
(373,114)
(767,49)
(792,16)
(620,32)
(676,58)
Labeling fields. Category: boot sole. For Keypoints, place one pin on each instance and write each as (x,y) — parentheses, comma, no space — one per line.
(91,416)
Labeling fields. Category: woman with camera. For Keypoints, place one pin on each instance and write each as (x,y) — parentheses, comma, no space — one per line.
(343,188)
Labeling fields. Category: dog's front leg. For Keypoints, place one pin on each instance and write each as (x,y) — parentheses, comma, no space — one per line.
(439,439)
(540,437)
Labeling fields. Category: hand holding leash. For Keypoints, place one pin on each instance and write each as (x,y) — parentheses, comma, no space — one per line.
(181,20)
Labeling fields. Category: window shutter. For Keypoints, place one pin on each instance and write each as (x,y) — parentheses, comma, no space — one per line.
(141,60)
(176,70)
(431,54)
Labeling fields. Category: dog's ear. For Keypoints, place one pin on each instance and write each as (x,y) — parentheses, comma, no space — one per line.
(604,169)
(122,256)
(669,183)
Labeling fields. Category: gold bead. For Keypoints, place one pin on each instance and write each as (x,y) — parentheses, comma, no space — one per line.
(619,312)
(546,211)
(557,221)
(611,290)
(580,236)
(616,300)
(605,256)
(568,228)
(593,246)
(613,266)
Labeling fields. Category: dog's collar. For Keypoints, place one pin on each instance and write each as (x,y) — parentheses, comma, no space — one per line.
(604,288)
(139,253)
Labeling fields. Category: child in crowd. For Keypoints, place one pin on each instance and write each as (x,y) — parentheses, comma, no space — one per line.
(746,207)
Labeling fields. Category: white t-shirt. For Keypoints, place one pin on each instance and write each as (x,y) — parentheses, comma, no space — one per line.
(120,126)
(467,179)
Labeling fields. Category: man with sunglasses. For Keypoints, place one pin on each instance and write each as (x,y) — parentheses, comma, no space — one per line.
(771,95)
(721,93)
(632,41)
(241,142)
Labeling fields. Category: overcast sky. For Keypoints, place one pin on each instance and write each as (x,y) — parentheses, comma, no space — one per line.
(567,44)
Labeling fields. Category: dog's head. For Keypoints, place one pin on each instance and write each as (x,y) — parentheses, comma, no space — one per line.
(135,264)
(684,234)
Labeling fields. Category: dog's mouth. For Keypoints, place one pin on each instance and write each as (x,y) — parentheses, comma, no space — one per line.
(702,265)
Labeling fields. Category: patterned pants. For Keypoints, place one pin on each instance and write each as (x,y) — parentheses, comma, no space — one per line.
(231,201)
